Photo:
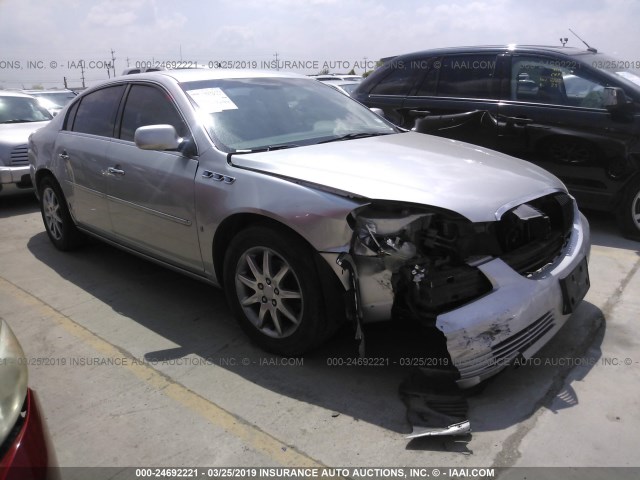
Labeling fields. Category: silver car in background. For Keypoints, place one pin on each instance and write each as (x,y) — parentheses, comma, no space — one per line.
(344,86)
(309,209)
(52,100)
(20,115)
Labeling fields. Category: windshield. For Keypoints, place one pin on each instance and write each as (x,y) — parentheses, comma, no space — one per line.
(22,110)
(249,114)
(626,69)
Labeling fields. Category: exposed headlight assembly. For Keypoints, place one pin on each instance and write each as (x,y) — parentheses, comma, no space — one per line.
(13,380)
(426,256)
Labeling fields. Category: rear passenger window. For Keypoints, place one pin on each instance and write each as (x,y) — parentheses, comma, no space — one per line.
(148,105)
(468,76)
(399,82)
(96,113)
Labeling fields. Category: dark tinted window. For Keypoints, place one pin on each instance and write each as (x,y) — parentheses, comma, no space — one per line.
(148,105)
(400,80)
(469,76)
(428,84)
(555,81)
(96,113)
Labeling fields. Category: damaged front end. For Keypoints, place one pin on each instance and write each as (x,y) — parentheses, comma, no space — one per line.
(494,291)
(410,262)
(497,290)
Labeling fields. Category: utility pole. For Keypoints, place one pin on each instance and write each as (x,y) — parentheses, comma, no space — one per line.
(65,82)
(277,66)
(113,62)
(127,62)
(82,72)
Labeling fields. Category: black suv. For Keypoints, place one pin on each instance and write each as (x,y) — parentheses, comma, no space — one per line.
(574,112)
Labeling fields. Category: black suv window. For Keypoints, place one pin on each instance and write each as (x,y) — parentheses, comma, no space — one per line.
(402,76)
(469,76)
(96,112)
(147,105)
(554,81)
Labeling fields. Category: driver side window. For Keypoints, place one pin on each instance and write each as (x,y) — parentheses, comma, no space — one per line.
(147,105)
(555,82)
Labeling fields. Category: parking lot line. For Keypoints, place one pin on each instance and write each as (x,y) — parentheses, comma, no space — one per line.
(251,435)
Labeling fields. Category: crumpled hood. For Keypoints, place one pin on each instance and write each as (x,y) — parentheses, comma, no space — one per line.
(412,167)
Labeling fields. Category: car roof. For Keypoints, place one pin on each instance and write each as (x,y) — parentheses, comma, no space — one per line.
(42,92)
(570,51)
(196,74)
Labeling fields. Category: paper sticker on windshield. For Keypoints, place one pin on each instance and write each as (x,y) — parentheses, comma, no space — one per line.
(630,76)
(212,100)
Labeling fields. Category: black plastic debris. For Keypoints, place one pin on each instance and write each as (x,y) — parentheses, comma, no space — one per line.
(435,404)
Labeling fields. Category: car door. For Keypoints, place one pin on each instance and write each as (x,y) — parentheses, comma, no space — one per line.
(151,193)
(465,89)
(553,114)
(82,147)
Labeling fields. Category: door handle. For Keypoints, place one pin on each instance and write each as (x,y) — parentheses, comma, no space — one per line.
(115,171)
(63,155)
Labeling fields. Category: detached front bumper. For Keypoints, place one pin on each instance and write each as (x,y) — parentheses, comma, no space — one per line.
(519,315)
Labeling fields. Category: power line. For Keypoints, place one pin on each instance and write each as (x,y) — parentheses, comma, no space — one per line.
(113,62)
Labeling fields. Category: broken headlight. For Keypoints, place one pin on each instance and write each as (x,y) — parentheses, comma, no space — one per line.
(428,255)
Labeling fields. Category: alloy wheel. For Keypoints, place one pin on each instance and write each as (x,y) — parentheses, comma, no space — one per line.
(52,213)
(269,292)
(635,210)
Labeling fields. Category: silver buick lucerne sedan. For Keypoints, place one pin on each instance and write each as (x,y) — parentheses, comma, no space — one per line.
(310,210)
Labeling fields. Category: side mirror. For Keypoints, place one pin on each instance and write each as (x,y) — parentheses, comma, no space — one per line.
(614,99)
(377,111)
(157,137)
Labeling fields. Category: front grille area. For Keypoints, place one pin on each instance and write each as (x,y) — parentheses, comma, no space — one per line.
(504,352)
(509,348)
(534,234)
(19,156)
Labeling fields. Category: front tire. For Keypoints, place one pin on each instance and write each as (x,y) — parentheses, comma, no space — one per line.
(58,223)
(272,286)
(629,214)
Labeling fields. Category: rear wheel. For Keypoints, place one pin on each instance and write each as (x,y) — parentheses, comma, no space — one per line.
(57,220)
(629,214)
(272,286)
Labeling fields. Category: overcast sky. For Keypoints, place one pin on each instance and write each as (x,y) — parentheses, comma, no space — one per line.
(42,41)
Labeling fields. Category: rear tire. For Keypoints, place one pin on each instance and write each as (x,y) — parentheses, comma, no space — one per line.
(272,286)
(629,213)
(58,223)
